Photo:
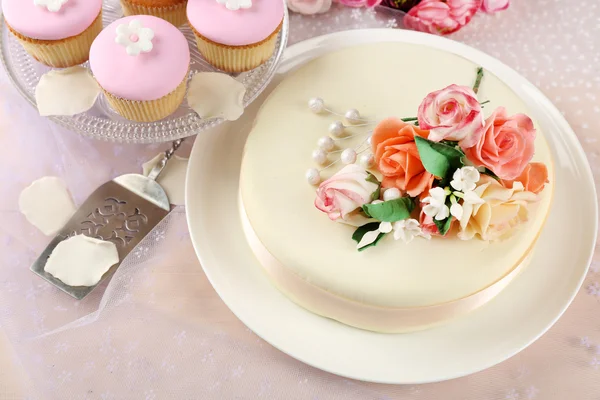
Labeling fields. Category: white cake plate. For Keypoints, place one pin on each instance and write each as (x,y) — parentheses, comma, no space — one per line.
(493,333)
(102,122)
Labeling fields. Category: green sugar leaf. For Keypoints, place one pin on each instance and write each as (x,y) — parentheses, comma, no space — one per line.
(390,211)
(361,231)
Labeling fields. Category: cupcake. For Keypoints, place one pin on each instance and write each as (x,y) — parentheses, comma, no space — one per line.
(236,35)
(169,10)
(141,63)
(57,33)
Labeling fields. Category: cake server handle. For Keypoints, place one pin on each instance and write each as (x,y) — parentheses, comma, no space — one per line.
(160,166)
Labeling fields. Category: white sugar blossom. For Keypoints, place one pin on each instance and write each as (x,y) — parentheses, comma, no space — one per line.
(435,204)
(465,179)
(235,4)
(135,38)
(408,229)
(51,5)
(370,237)
(469,198)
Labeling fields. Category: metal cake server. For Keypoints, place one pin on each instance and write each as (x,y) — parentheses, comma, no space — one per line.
(122,211)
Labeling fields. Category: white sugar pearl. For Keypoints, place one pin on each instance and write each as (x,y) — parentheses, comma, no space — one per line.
(336,128)
(316,105)
(326,143)
(320,156)
(391,194)
(348,156)
(366,160)
(369,140)
(352,116)
(313,176)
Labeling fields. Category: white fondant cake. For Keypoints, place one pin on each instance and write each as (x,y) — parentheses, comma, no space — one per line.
(394,286)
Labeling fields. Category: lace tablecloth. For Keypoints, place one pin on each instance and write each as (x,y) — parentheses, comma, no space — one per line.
(159,331)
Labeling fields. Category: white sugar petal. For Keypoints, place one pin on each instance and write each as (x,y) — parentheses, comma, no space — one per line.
(216,95)
(67,91)
(81,260)
(47,204)
(135,25)
(368,238)
(145,45)
(172,178)
(146,33)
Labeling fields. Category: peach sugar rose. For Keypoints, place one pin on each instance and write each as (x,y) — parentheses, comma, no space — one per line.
(503,209)
(397,157)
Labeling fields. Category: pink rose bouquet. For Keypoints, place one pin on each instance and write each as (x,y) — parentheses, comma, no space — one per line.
(447,172)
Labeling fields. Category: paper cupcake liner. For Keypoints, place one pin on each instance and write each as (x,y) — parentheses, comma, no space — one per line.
(175,14)
(148,111)
(235,59)
(62,53)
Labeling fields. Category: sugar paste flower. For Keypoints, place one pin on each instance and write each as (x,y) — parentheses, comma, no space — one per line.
(435,204)
(452,113)
(51,5)
(493,6)
(506,144)
(346,191)
(235,5)
(408,229)
(500,210)
(465,179)
(135,38)
(441,17)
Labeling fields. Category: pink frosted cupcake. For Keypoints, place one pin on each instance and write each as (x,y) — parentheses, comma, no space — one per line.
(56,33)
(141,63)
(236,35)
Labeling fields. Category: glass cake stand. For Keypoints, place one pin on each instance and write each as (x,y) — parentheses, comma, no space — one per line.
(101,121)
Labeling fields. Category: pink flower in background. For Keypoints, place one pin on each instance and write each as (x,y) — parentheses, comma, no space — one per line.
(463,10)
(309,7)
(453,113)
(506,146)
(359,3)
(441,17)
(431,16)
(492,6)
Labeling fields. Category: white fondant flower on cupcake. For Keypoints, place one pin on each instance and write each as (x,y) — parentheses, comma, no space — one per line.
(235,5)
(135,38)
(51,5)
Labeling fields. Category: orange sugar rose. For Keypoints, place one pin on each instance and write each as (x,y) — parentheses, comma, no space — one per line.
(397,157)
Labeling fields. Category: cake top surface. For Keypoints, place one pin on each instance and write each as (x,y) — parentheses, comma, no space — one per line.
(240,27)
(280,204)
(39,22)
(140,58)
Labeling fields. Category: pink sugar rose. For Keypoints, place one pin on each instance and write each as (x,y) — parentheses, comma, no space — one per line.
(453,113)
(506,145)
(463,10)
(345,192)
(359,3)
(309,7)
(441,17)
(492,6)
(431,16)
